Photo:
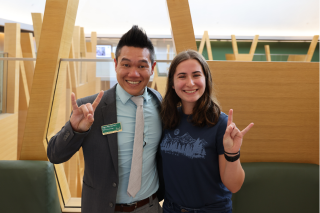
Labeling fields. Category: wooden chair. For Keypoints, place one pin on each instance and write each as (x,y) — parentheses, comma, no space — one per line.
(205,39)
(242,57)
(308,56)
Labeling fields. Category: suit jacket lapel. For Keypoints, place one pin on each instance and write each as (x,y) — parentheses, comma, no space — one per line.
(109,112)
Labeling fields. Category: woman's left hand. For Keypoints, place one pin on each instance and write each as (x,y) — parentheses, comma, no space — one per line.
(232,138)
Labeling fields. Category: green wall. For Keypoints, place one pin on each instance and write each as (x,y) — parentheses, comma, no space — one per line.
(220,48)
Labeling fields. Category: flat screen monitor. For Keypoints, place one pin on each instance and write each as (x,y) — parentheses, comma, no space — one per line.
(104,51)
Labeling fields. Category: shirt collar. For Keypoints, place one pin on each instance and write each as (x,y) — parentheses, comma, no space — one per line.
(125,96)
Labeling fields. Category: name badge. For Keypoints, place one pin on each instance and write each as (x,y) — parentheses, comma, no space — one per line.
(111,128)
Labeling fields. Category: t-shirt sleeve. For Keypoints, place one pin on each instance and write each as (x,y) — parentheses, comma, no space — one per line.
(220,133)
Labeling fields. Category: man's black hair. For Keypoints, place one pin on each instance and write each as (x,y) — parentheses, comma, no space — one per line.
(135,37)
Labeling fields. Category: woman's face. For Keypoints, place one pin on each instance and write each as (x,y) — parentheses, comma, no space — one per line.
(189,82)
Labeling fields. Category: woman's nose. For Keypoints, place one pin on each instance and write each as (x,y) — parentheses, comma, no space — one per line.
(190,82)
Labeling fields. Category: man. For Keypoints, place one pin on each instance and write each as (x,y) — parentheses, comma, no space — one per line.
(105,126)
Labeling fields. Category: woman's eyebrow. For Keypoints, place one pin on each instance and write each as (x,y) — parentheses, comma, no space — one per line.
(196,72)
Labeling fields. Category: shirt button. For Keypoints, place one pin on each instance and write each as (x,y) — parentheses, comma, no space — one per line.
(114,184)
(111,204)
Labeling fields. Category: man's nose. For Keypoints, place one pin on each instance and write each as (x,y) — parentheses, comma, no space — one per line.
(133,72)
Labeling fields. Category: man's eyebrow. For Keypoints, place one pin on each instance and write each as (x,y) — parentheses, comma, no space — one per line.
(125,59)
(143,61)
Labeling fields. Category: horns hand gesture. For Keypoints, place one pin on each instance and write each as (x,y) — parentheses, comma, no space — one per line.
(82,117)
(232,138)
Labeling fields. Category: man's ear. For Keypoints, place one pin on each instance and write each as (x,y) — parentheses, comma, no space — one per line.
(115,64)
(153,66)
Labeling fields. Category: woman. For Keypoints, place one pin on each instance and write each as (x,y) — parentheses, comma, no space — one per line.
(200,147)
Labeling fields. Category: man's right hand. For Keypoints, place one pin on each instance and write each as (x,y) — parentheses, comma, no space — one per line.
(82,117)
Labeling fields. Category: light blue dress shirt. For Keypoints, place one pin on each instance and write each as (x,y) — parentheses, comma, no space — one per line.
(126,115)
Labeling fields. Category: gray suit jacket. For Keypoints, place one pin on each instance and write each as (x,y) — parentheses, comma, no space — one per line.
(100,180)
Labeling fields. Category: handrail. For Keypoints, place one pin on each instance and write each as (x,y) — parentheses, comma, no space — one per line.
(17,59)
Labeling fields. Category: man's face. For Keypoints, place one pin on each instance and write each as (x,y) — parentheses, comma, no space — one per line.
(134,69)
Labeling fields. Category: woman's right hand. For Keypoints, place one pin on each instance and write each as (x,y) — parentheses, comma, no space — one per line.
(82,117)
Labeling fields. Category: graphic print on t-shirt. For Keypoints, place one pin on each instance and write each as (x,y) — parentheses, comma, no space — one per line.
(184,145)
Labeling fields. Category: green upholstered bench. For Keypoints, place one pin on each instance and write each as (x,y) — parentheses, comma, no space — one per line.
(28,186)
(278,187)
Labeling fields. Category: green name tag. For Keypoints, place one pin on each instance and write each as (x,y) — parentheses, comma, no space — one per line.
(111,128)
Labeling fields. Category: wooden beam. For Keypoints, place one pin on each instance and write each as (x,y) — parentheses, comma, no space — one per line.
(267,50)
(37,19)
(181,25)
(234,45)
(254,45)
(312,47)
(56,36)
(208,44)
(203,41)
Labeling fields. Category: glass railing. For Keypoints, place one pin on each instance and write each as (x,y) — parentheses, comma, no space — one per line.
(274,57)
(5,85)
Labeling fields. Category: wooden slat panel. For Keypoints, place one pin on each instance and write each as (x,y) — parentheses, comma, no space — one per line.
(13,48)
(83,53)
(28,52)
(91,67)
(56,36)
(76,51)
(89,46)
(83,47)
(58,114)
(281,98)
(94,41)
(24,98)
(8,133)
(73,70)
(37,24)
(181,25)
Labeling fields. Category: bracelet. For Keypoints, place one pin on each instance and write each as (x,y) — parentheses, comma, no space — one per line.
(233,158)
(232,153)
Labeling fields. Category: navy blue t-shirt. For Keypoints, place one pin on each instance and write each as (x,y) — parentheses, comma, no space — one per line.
(190,157)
